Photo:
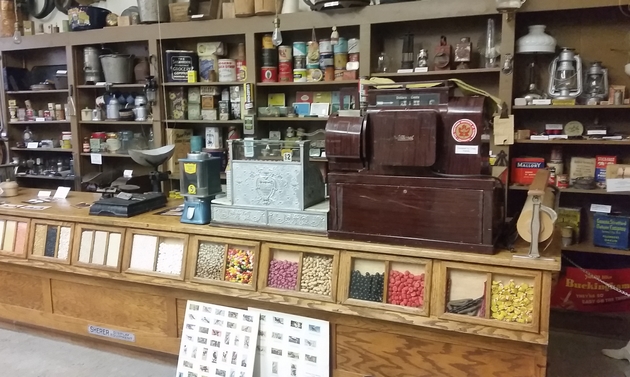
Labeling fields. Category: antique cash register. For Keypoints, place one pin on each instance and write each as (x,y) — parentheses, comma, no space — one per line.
(414,170)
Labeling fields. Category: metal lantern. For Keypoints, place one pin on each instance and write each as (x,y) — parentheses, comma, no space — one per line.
(596,83)
(565,80)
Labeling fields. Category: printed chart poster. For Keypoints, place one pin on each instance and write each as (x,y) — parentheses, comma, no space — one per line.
(291,346)
(217,341)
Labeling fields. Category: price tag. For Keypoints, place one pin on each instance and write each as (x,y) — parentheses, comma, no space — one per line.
(32,145)
(466,149)
(62,192)
(600,208)
(287,156)
(128,173)
(96,159)
(44,194)
(124,196)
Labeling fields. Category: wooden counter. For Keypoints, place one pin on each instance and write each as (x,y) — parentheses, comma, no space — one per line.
(92,274)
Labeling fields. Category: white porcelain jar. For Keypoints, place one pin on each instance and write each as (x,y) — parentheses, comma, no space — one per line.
(536,41)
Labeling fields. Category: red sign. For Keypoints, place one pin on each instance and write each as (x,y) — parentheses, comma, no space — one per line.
(464,131)
(577,291)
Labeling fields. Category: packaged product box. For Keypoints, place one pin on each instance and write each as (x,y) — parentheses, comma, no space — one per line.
(181,139)
(611,231)
(524,169)
(617,178)
(322,97)
(581,167)
(601,162)
(570,216)
(194,95)
(208,57)
(194,111)
(276,99)
(177,103)
(210,91)
(304,97)
(209,102)
(210,114)
(224,110)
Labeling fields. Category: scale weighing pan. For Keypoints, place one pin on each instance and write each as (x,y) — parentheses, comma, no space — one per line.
(152,157)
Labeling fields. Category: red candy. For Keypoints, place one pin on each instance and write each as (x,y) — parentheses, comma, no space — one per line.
(405,289)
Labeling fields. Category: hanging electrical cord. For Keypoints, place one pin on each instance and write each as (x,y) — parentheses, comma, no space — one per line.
(46,10)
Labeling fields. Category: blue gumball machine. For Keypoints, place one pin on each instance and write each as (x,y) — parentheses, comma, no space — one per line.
(200,183)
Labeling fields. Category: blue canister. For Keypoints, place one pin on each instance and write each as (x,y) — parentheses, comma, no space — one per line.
(196,143)
(341,47)
(299,49)
(325,60)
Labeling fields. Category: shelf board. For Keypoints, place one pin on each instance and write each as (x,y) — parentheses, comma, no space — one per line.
(52,91)
(184,121)
(119,86)
(177,178)
(42,150)
(570,107)
(292,119)
(318,159)
(587,247)
(43,122)
(46,177)
(575,191)
(115,122)
(454,72)
(176,84)
(316,83)
(121,155)
(580,142)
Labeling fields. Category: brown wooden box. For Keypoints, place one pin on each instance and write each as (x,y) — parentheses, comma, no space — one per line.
(39,232)
(346,267)
(196,241)
(299,252)
(10,244)
(112,254)
(159,237)
(442,288)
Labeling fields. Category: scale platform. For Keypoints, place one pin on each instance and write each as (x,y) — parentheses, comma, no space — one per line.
(312,219)
(138,204)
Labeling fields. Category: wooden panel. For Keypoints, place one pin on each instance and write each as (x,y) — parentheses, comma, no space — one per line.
(118,307)
(380,354)
(181,312)
(21,290)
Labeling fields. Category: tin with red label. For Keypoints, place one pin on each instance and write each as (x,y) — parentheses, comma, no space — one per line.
(285,54)
(285,77)
(241,70)
(269,74)
(329,74)
(562,181)
(47,115)
(524,169)
(285,67)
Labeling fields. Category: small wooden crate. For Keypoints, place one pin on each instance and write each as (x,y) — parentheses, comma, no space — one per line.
(10,229)
(41,228)
(153,252)
(297,254)
(179,12)
(98,247)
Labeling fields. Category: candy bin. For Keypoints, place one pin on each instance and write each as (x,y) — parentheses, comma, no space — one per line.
(406,285)
(156,253)
(513,299)
(367,280)
(466,292)
(239,265)
(283,270)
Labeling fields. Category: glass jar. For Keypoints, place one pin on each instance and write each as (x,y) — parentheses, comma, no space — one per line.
(66,140)
(126,139)
(97,142)
(139,141)
(113,143)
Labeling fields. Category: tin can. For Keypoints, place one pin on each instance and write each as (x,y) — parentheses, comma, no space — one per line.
(299,49)
(341,47)
(269,74)
(325,61)
(299,62)
(353,46)
(552,177)
(47,114)
(314,75)
(329,74)
(312,65)
(353,57)
(227,70)
(285,76)
(558,166)
(241,70)
(562,181)
(269,57)
(30,114)
(267,41)
(299,75)
(363,96)
(339,74)
(192,77)
(284,67)
(341,60)
(285,54)
(325,46)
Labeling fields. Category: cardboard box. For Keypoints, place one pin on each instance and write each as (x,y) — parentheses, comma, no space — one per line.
(304,97)
(209,102)
(276,99)
(210,91)
(617,178)
(212,114)
(194,95)
(177,104)
(570,216)
(581,167)
(194,111)
(322,97)
(601,162)
(224,110)
(181,139)
(524,169)
(611,231)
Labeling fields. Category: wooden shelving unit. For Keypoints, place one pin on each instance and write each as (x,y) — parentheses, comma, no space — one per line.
(203,83)
(574,142)
(116,155)
(35,92)
(424,75)
(45,122)
(116,122)
(576,191)
(186,121)
(113,86)
(309,84)
(48,177)
(43,150)
(293,119)
(572,107)
(590,248)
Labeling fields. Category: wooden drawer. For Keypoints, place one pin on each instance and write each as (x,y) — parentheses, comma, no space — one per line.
(50,241)
(14,236)
(98,247)
(158,254)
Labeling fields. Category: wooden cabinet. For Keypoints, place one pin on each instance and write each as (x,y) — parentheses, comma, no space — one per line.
(299,271)
(223,261)
(50,241)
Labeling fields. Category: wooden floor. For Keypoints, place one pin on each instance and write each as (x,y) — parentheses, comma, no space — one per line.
(28,352)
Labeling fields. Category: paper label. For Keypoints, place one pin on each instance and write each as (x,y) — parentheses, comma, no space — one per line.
(44,194)
(96,159)
(466,149)
(464,131)
(110,333)
(601,208)
(504,130)
(128,173)
(617,184)
(33,145)
(62,192)
(124,196)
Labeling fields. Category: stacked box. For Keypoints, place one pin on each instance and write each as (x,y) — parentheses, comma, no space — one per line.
(570,216)
(601,162)
(194,104)
(524,169)
(611,231)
